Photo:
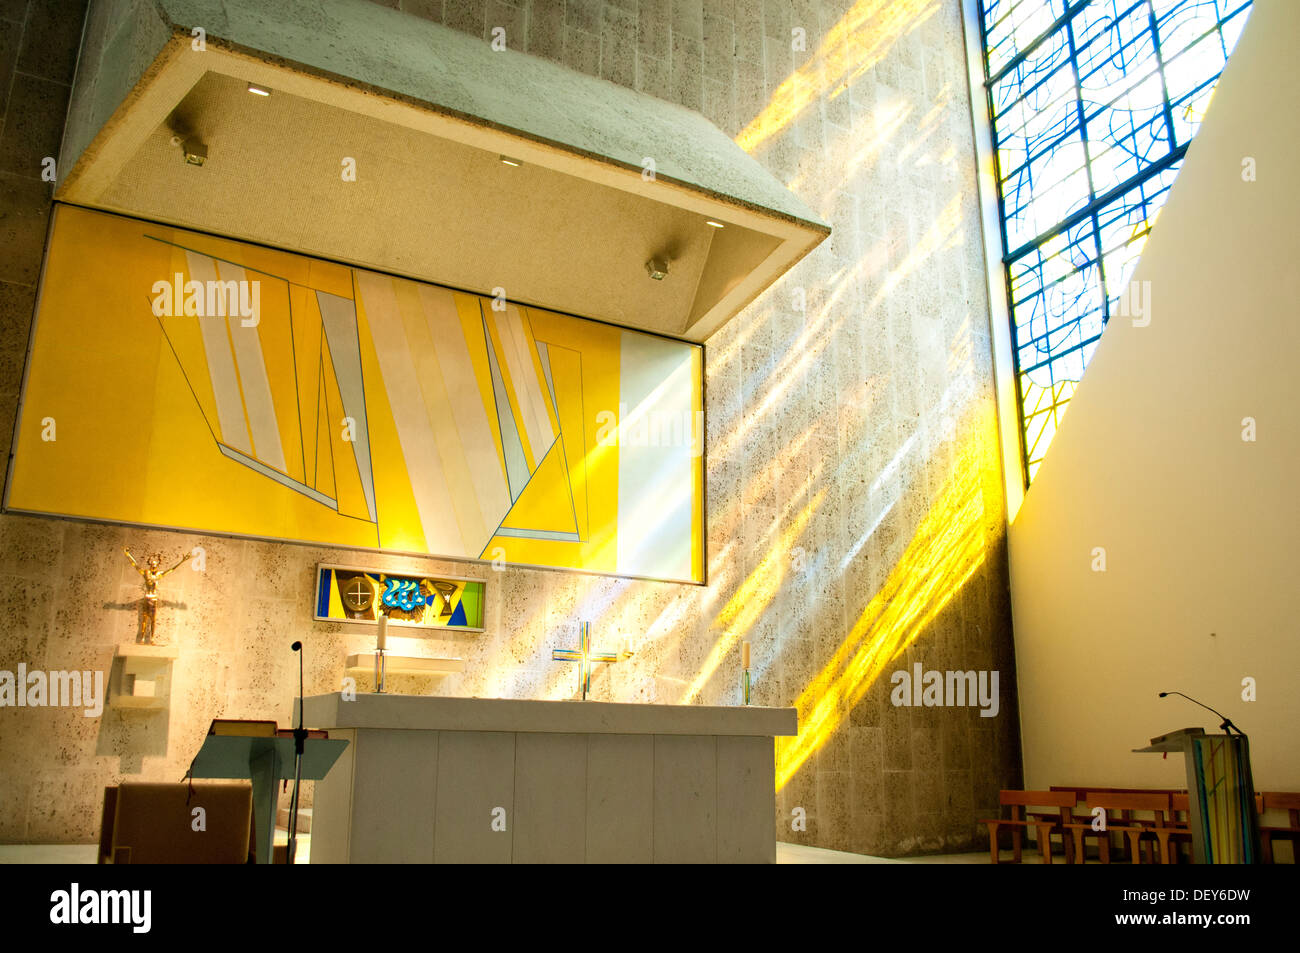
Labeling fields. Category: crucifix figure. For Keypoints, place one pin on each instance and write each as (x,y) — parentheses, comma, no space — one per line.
(151,572)
(585,656)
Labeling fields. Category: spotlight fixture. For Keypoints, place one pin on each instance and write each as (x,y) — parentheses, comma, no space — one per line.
(196,153)
(709,221)
(657,268)
(258,90)
(509,161)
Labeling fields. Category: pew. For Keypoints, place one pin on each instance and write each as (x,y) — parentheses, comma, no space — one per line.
(1178,827)
(1280,801)
(1124,804)
(1123,816)
(1044,825)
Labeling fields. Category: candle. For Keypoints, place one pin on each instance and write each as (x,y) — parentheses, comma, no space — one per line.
(744,655)
(381,641)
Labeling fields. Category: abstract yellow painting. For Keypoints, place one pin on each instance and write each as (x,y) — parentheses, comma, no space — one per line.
(182,380)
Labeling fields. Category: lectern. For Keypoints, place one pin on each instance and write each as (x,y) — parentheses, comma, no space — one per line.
(266,761)
(1220,794)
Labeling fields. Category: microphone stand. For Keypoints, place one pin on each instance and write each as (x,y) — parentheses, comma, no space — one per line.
(1244,782)
(1227,727)
(299,745)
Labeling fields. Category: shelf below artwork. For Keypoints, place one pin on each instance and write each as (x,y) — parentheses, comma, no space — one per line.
(146,702)
(406,664)
(139,650)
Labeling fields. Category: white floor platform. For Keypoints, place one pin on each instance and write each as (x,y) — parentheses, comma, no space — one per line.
(85,853)
(785,854)
(801,854)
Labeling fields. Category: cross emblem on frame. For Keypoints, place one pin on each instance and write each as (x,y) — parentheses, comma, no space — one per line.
(358,594)
(585,656)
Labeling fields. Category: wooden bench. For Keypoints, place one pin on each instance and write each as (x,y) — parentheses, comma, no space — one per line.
(1280,801)
(1044,825)
(1177,827)
(1083,792)
(1124,805)
(1125,816)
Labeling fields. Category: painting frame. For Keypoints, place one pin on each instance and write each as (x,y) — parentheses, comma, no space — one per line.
(698,522)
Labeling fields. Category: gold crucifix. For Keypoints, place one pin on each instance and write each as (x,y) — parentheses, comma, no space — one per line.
(151,572)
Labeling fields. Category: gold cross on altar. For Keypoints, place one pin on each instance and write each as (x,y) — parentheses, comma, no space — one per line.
(585,656)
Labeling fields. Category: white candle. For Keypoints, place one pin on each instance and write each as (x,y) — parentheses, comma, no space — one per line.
(381,640)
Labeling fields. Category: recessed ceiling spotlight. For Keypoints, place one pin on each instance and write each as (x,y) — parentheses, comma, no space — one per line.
(509,161)
(258,90)
(709,221)
(657,268)
(196,152)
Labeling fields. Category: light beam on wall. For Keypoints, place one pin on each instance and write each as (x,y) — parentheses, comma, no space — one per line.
(946,550)
(853,46)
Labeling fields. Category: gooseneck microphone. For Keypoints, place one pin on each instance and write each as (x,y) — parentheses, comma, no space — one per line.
(1227,725)
(299,744)
(297,647)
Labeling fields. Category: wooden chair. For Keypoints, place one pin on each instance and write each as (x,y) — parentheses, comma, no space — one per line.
(1133,829)
(154,824)
(1045,825)
(1178,825)
(1280,801)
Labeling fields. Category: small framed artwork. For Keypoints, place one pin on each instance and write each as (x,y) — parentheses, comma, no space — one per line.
(352,594)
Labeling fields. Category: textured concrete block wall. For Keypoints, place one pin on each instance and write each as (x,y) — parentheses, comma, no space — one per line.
(855,515)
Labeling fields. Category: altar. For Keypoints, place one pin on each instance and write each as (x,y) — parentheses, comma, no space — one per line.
(487,780)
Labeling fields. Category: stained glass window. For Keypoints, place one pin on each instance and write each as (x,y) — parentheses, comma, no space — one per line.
(1093,105)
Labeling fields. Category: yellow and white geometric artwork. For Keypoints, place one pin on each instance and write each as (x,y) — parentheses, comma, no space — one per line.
(182,380)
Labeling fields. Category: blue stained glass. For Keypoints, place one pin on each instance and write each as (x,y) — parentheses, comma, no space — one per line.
(1093,103)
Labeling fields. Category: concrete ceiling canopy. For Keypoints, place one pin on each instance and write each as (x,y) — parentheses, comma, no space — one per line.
(425,115)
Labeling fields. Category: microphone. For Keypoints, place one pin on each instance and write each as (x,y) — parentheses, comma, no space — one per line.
(1227,724)
(297,647)
(299,746)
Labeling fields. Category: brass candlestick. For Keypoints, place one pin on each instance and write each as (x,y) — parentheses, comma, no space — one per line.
(744,668)
(381,643)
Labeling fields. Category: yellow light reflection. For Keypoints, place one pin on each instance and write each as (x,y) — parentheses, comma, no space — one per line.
(854,45)
(946,550)
(751,598)
(738,604)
